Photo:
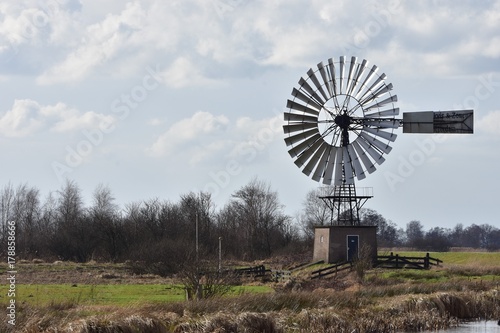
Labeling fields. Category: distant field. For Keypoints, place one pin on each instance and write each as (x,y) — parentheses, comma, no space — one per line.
(43,294)
(106,297)
(458,258)
(45,284)
(111,294)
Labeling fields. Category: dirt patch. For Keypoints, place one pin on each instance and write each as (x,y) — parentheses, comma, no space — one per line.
(90,273)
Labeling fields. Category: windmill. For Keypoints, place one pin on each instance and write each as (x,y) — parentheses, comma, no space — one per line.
(340,123)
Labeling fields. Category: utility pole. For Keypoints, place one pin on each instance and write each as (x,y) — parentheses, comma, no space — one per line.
(220,254)
(199,287)
(197,256)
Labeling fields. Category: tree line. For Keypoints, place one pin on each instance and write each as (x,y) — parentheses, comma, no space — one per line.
(158,234)
(389,234)
(154,232)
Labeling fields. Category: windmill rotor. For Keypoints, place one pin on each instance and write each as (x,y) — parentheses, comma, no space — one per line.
(340,121)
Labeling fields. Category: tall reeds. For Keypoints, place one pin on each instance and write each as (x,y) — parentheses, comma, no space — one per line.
(310,312)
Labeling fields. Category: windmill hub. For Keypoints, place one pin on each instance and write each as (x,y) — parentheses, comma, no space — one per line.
(343,121)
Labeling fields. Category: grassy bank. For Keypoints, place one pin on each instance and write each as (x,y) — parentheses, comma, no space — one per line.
(322,311)
(456,258)
(104,298)
(112,294)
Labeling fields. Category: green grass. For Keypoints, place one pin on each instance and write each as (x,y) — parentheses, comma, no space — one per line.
(456,266)
(111,294)
(422,276)
(458,258)
(43,294)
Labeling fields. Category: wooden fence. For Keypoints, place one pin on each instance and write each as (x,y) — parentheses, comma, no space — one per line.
(277,275)
(390,261)
(332,269)
(255,271)
(397,261)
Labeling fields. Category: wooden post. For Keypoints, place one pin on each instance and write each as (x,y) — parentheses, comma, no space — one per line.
(426,261)
(199,292)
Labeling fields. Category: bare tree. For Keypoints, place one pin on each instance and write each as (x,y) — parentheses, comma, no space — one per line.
(363,262)
(387,233)
(229,228)
(69,203)
(437,239)
(202,277)
(47,224)
(316,212)
(199,207)
(26,213)
(415,234)
(73,238)
(6,201)
(106,221)
(261,217)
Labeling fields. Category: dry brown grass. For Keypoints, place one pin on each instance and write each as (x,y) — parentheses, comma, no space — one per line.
(331,305)
(327,311)
(473,270)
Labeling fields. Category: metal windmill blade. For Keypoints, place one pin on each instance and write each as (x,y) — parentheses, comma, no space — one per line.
(335,125)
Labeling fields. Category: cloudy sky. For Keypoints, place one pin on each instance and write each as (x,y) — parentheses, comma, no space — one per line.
(158,98)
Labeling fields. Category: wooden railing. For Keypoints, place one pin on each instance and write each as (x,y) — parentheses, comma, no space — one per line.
(332,269)
(397,261)
(255,271)
(277,275)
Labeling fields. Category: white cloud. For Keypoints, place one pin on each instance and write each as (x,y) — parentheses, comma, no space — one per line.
(184,73)
(101,42)
(489,124)
(205,137)
(195,130)
(21,25)
(37,26)
(28,117)
(68,119)
(22,120)
(251,136)
(199,44)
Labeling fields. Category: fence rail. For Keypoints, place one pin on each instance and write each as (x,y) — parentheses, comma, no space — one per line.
(255,271)
(260,271)
(397,261)
(332,269)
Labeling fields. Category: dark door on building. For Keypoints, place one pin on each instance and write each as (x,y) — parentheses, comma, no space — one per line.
(352,247)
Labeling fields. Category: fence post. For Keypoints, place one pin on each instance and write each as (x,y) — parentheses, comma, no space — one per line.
(426,261)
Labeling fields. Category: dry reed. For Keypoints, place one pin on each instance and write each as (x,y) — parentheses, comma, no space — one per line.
(404,306)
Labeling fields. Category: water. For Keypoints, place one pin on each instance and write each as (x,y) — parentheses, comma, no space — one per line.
(475,327)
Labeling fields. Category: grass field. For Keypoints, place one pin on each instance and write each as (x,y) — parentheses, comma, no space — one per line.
(36,289)
(102,294)
(458,258)
(113,294)
(106,298)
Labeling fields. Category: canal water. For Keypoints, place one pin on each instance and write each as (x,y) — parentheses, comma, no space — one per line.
(475,327)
